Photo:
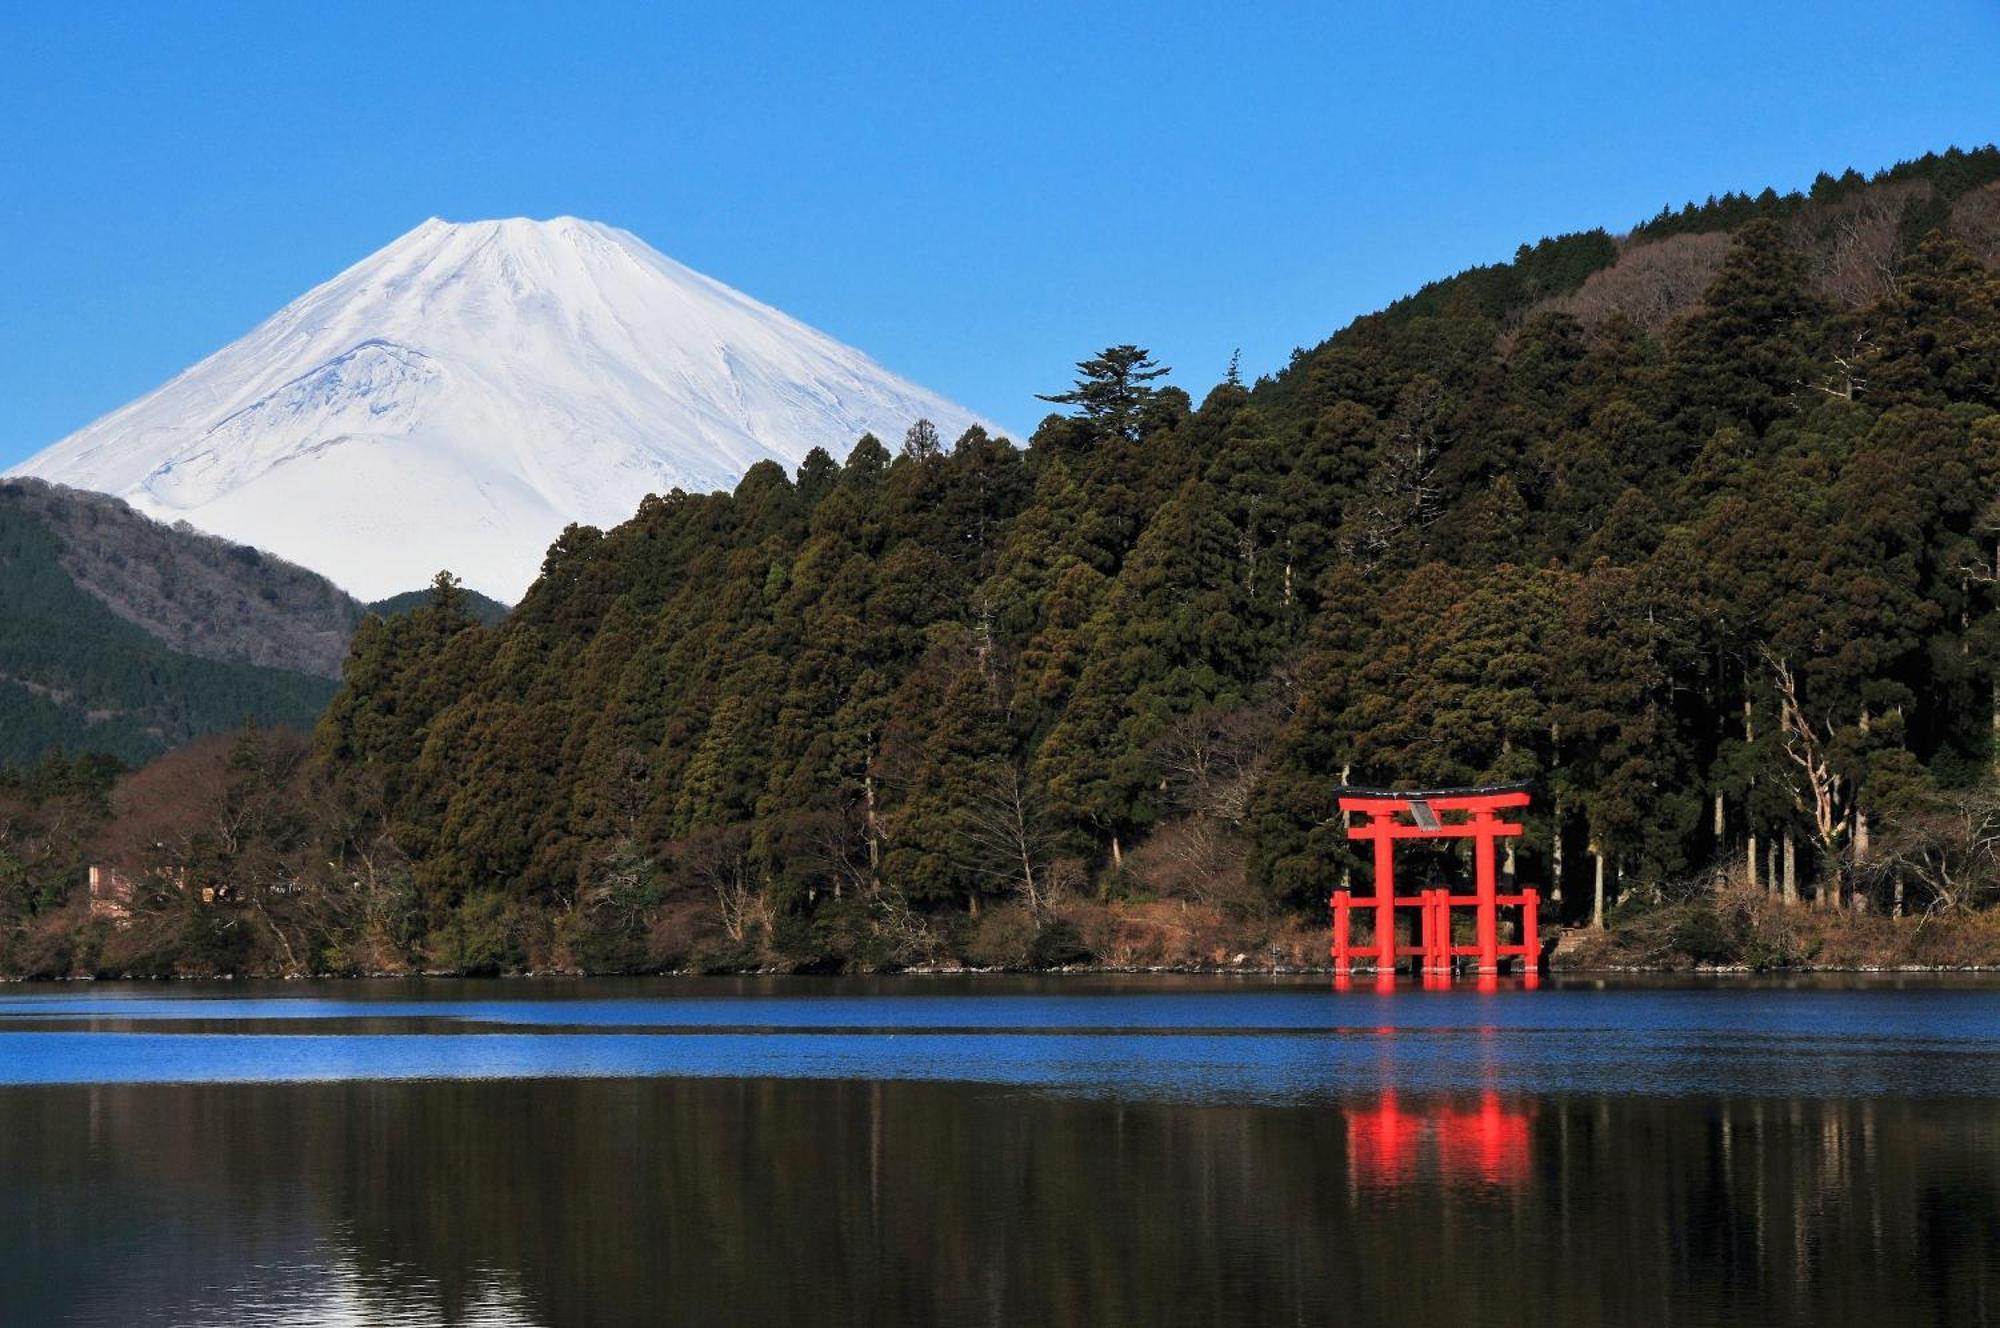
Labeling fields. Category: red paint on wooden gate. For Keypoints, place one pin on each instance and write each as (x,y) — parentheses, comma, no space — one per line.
(1444,814)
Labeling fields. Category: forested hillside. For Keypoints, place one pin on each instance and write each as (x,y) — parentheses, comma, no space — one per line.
(171,648)
(196,594)
(483,610)
(124,637)
(1692,529)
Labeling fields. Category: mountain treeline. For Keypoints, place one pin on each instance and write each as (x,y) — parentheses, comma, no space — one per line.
(77,674)
(195,593)
(123,636)
(1694,530)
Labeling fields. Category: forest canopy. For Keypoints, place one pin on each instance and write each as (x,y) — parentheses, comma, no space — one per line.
(1696,539)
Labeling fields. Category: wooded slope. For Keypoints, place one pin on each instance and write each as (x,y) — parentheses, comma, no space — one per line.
(1713,571)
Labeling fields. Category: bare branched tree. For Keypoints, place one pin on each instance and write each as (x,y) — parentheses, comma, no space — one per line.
(1651,284)
(1950,851)
(1975,223)
(1848,355)
(921,442)
(1402,496)
(717,860)
(1857,251)
(1004,837)
(1817,787)
(910,936)
(621,889)
(1209,761)
(837,844)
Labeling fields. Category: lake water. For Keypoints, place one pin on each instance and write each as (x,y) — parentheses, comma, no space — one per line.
(987,1151)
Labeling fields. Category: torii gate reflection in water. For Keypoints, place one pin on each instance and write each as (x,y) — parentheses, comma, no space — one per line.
(1435,814)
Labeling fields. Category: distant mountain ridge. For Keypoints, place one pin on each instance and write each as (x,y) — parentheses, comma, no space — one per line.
(1857,229)
(122,635)
(77,674)
(196,593)
(457,398)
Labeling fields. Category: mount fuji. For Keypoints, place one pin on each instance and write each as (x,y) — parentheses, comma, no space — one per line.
(456,398)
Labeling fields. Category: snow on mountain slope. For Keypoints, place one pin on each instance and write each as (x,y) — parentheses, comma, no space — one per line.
(456,398)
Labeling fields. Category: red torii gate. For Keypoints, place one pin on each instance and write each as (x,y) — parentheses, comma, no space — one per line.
(1470,813)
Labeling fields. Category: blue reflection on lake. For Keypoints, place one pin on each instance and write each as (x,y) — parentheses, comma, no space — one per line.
(1185,1041)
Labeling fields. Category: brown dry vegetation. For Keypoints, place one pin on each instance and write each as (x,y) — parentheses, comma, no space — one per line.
(1855,247)
(1975,221)
(199,594)
(1736,928)
(1651,284)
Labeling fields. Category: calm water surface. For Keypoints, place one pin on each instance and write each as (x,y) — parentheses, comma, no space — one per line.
(1070,1150)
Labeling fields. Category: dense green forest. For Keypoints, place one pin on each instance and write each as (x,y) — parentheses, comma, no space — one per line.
(484,611)
(123,636)
(1693,530)
(75,675)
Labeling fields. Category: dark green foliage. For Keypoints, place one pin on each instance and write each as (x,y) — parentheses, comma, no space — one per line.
(1057,945)
(1951,174)
(87,777)
(1748,356)
(1113,391)
(75,676)
(1549,267)
(484,611)
(1705,938)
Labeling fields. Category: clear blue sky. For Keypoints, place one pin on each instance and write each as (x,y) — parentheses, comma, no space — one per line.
(975,195)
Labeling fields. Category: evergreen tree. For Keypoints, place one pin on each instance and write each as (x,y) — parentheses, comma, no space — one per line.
(1113,390)
(1749,355)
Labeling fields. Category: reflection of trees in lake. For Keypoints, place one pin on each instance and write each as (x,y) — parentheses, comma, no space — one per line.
(637,1201)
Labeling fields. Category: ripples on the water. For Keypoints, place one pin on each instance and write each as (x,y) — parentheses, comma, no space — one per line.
(1560,1157)
(1282,1044)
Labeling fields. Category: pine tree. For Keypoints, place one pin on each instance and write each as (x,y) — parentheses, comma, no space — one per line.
(1112,390)
(921,443)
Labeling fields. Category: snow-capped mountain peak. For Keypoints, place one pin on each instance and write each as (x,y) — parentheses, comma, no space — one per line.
(456,398)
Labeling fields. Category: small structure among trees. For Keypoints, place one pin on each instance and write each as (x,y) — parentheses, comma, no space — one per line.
(110,895)
(1467,813)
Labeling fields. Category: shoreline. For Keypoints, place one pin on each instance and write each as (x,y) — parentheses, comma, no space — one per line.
(1073,971)
(1736,936)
